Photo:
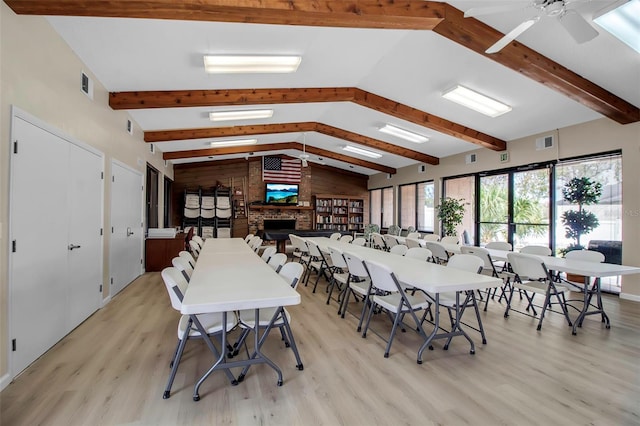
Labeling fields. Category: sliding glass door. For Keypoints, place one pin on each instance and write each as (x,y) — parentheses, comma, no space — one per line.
(515,206)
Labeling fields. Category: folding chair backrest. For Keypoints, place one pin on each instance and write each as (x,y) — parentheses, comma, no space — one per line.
(414,235)
(182,264)
(539,250)
(527,266)
(411,242)
(335,236)
(255,243)
(585,255)
(268,252)
(277,260)
(360,241)
(292,272)
(431,237)
(346,238)
(190,259)
(248,238)
(314,250)
(400,249)
(466,262)
(198,240)
(450,239)
(437,250)
(390,240)
(499,245)
(481,253)
(382,277)
(298,243)
(176,286)
(336,258)
(418,253)
(378,241)
(355,265)
(195,248)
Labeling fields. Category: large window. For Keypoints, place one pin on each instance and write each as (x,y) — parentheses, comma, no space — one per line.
(416,206)
(381,206)
(464,188)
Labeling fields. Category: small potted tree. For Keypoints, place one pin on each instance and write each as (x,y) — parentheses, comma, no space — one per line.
(583,192)
(450,213)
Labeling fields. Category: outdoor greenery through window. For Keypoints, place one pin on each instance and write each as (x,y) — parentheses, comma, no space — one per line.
(417,206)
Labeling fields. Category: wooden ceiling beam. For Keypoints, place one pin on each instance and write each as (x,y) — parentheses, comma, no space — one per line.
(266,129)
(210,152)
(407,14)
(477,36)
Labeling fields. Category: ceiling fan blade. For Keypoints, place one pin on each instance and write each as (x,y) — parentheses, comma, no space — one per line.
(489,10)
(577,26)
(512,35)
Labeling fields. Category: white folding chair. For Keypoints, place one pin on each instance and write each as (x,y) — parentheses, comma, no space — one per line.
(532,277)
(268,252)
(335,236)
(414,235)
(438,252)
(411,242)
(346,238)
(359,284)
(300,249)
(248,238)
(339,271)
(255,243)
(277,260)
(450,239)
(191,326)
(390,241)
(378,241)
(198,240)
(185,254)
(195,249)
(183,265)
(399,249)
(488,268)
(420,253)
(317,262)
(499,245)
(271,317)
(431,237)
(360,241)
(538,250)
(391,297)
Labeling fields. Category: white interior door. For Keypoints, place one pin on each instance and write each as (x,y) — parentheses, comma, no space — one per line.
(38,267)
(85,206)
(127,198)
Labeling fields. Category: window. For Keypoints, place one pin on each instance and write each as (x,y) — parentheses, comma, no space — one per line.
(168,201)
(464,187)
(382,206)
(416,206)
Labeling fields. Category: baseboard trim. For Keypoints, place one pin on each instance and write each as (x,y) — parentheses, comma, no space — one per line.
(105,301)
(632,297)
(4,381)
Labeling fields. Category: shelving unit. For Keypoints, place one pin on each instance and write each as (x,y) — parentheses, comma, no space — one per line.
(208,211)
(339,213)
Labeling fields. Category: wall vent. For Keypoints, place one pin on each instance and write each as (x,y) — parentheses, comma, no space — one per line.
(129,127)
(422,168)
(389,176)
(470,158)
(545,142)
(86,85)
(152,148)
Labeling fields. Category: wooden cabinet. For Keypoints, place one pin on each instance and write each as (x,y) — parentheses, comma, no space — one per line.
(339,212)
(160,251)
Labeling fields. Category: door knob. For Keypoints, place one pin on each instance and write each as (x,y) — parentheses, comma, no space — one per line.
(73,246)
(129,232)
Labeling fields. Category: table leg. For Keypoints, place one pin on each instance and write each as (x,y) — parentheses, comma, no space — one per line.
(257,356)
(588,294)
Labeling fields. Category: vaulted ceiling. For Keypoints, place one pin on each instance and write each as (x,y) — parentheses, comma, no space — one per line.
(365,63)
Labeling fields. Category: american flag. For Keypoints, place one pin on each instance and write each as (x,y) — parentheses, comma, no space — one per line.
(277,169)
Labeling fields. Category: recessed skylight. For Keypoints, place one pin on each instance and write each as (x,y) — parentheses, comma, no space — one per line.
(240,114)
(623,22)
(361,151)
(237,142)
(476,101)
(230,64)
(403,134)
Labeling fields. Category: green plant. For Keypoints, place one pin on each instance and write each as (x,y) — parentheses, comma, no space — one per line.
(451,212)
(583,192)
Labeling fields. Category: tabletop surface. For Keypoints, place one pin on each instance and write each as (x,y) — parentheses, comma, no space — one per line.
(414,272)
(230,276)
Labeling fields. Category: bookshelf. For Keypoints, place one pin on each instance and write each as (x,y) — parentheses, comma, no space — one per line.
(339,212)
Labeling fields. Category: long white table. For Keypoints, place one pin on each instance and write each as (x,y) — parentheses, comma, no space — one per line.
(588,270)
(229,276)
(429,277)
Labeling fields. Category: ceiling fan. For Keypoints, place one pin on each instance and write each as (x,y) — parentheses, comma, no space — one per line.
(570,19)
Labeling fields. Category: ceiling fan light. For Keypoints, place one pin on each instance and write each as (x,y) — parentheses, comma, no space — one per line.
(476,101)
(240,114)
(237,142)
(237,64)
(361,151)
(403,134)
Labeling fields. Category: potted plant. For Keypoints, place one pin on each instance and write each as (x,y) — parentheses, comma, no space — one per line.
(451,213)
(583,192)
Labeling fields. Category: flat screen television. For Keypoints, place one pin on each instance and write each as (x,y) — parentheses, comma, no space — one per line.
(281,193)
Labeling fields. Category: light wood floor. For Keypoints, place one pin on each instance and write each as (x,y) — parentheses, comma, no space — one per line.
(112,370)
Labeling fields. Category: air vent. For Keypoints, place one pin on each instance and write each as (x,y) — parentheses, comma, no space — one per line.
(422,168)
(389,176)
(545,142)
(470,158)
(129,127)
(86,85)
(152,148)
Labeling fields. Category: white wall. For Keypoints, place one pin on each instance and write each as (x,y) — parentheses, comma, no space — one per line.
(40,74)
(588,138)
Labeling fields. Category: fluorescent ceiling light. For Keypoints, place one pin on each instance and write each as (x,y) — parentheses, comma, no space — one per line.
(476,101)
(238,142)
(226,64)
(404,134)
(361,151)
(240,114)
(623,22)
